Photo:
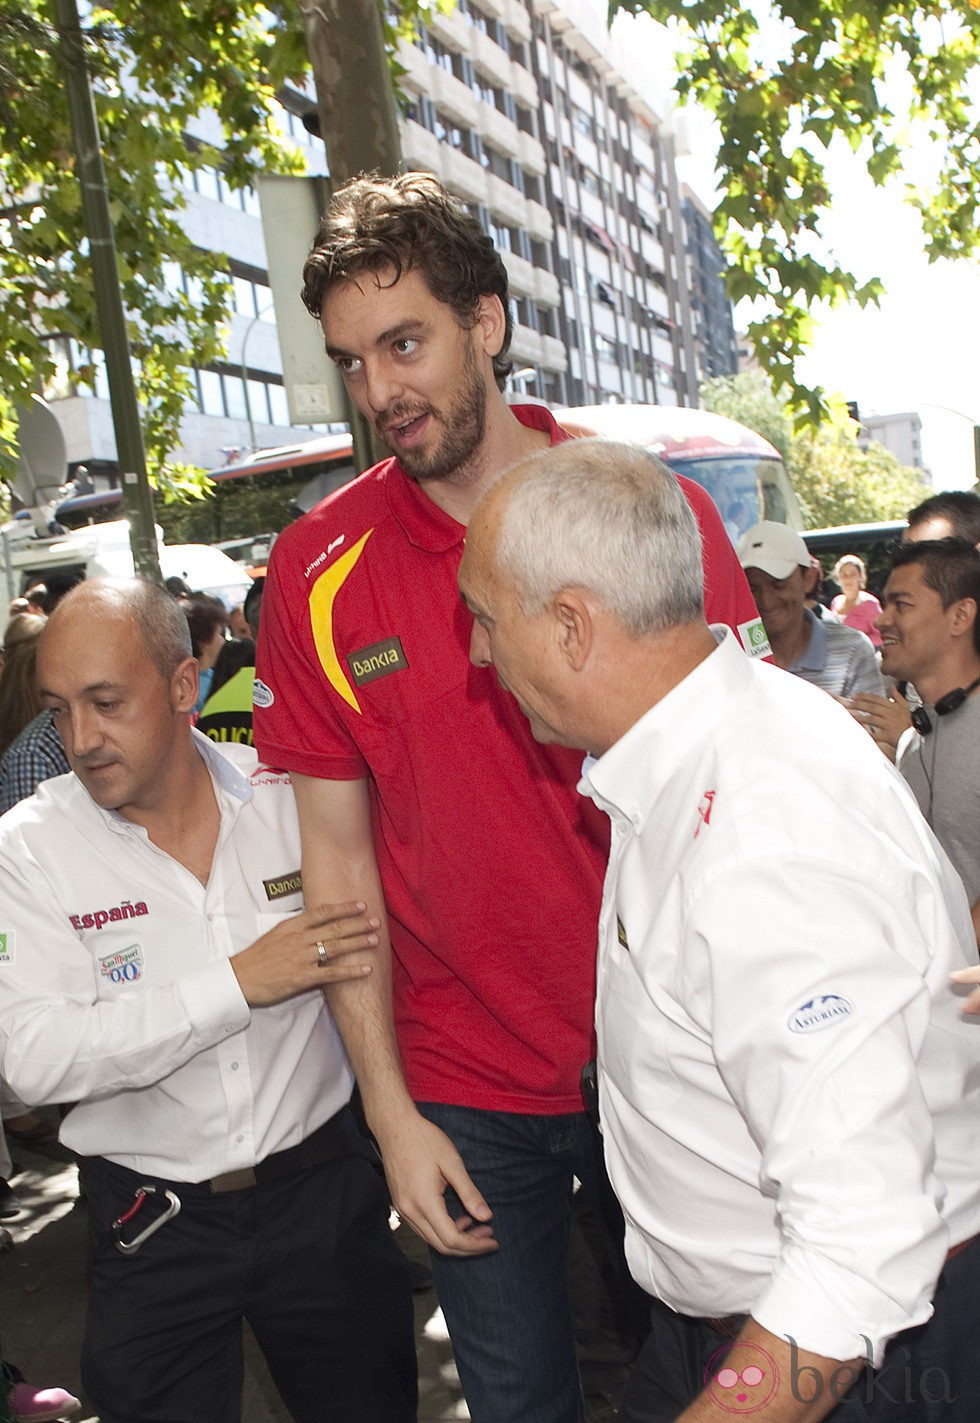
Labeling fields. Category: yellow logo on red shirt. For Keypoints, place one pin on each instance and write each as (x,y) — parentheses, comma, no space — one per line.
(322,596)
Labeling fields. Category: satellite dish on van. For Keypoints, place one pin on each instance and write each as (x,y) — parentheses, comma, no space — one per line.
(42,460)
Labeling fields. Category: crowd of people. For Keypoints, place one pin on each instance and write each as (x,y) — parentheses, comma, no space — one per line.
(707,972)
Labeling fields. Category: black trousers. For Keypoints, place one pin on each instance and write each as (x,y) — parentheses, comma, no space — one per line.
(929,1373)
(308,1260)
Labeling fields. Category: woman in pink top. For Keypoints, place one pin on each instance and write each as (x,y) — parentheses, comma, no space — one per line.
(855,607)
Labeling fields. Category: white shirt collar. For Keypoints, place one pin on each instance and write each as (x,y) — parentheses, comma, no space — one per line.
(630,775)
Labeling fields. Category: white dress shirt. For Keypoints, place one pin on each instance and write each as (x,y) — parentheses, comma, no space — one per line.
(116,989)
(790,1097)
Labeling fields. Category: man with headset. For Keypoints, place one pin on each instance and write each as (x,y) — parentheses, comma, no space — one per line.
(930,629)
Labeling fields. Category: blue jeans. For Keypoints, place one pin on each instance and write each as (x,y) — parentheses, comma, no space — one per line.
(508,1313)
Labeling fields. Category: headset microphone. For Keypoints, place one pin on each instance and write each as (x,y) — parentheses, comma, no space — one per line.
(945,705)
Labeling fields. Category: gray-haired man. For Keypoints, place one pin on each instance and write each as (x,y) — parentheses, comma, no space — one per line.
(788,1090)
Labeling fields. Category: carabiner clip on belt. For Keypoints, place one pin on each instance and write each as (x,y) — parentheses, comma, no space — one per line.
(130,1247)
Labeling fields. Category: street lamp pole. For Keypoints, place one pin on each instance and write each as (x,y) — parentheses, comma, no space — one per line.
(248,400)
(136,495)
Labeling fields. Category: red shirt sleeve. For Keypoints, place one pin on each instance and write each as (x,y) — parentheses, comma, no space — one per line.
(727,597)
(293,724)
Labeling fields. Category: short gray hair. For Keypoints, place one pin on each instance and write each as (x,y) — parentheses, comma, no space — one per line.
(159,618)
(607,517)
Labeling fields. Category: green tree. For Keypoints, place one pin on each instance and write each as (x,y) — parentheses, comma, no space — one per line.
(748,398)
(836,479)
(784,82)
(155,68)
(838,482)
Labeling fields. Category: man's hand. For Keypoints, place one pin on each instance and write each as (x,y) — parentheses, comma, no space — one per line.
(420,1162)
(885,719)
(288,959)
(969,975)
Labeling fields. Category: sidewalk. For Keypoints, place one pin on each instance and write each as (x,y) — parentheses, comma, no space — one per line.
(42,1307)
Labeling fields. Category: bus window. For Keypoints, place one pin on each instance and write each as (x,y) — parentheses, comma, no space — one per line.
(253,497)
(742,472)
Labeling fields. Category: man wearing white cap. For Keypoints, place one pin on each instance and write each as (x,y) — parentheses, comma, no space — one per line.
(777,565)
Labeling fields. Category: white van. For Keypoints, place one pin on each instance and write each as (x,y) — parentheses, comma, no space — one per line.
(60,560)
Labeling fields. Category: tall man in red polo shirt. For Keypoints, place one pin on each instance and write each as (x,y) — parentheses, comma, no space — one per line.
(420,788)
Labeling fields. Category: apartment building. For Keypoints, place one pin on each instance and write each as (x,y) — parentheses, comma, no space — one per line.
(714,326)
(553,134)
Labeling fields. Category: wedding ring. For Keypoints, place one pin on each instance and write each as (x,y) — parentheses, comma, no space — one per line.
(322,957)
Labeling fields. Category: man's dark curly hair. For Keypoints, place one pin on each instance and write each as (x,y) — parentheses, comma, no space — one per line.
(409,223)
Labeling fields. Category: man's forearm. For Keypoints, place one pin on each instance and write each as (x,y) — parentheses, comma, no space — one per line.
(339,865)
(773,1379)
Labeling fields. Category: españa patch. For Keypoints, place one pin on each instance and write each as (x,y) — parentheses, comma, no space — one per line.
(7,947)
(285,884)
(378,660)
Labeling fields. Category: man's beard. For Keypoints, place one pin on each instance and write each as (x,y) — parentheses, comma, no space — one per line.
(463,428)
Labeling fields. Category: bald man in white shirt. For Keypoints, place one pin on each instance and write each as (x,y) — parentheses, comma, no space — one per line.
(158,968)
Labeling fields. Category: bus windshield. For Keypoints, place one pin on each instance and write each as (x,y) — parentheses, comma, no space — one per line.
(743,473)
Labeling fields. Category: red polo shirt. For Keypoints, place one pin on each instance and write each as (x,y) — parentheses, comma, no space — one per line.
(491,862)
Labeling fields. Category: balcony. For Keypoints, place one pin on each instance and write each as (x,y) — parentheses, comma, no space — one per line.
(527,280)
(527,346)
(501,132)
(491,60)
(453,97)
(517,20)
(525,88)
(554,356)
(421,149)
(415,64)
(532,156)
(450,28)
(463,176)
(538,222)
(506,202)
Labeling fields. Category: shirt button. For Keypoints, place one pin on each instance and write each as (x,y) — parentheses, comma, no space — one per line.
(229,1027)
(211,917)
(239,1140)
(234,1067)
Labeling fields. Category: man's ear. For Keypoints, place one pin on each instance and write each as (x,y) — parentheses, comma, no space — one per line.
(492,321)
(809,581)
(184,685)
(964,615)
(575,625)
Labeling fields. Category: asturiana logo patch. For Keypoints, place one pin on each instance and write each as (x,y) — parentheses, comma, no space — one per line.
(819,1013)
(262,695)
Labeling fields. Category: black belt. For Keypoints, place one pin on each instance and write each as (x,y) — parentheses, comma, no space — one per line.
(337,1137)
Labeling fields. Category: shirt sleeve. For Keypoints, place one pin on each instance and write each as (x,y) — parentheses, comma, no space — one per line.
(294,723)
(727,596)
(23,770)
(817,1010)
(59,1042)
(863,672)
